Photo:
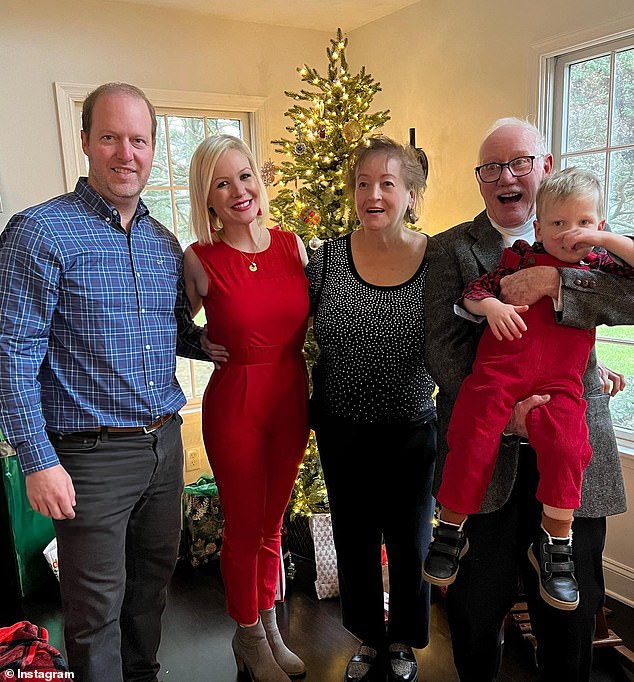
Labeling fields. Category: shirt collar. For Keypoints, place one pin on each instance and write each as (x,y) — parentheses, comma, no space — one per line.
(91,197)
(511,234)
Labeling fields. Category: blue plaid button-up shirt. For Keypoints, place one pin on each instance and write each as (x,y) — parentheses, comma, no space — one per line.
(90,320)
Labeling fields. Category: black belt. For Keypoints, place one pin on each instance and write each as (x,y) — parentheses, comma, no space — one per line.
(138,429)
(102,430)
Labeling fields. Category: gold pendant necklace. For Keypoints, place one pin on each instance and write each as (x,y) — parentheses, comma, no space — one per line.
(253,266)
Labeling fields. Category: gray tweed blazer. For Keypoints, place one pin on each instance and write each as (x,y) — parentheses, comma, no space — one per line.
(458,256)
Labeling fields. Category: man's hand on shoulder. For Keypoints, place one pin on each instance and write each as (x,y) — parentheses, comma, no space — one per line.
(51,492)
(526,287)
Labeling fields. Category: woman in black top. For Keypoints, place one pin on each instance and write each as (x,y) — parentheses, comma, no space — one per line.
(374,417)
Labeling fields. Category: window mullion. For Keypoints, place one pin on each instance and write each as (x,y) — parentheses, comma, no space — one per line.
(609,149)
(168,143)
(615,341)
(170,168)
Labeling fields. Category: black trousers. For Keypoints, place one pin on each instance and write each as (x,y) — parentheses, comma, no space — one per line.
(490,577)
(118,553)
(379,481)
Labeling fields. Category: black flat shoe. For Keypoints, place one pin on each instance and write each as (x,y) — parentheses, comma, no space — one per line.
(449,545)
(552,559)
(365,666)
(403,666)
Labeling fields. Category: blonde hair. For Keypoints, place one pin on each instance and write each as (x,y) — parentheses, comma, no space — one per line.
(567,183)
(203,220)
(414,168)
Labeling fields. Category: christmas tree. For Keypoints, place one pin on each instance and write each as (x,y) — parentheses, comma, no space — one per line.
(325,130)
(332,122)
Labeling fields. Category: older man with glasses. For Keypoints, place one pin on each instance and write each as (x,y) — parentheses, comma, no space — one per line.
(513,160)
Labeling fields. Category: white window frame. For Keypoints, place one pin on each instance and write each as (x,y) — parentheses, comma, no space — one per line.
(542,81)
(70,96)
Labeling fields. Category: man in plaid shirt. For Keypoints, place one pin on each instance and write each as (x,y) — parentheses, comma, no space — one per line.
(92,311)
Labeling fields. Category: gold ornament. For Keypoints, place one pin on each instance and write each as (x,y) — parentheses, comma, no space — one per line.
(351,131)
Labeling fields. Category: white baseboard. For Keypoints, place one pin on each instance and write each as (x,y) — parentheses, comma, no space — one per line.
(619,581)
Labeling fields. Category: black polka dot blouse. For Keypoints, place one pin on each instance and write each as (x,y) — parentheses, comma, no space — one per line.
(371,340)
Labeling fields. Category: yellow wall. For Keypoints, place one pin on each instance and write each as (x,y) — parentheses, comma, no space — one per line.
(451,68)
(84,41)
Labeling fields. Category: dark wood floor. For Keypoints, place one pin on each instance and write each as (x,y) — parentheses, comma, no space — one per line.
(197,632)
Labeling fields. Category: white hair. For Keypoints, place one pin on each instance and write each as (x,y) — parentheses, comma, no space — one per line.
(540,141)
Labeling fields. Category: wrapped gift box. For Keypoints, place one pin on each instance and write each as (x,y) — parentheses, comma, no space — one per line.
(203,521)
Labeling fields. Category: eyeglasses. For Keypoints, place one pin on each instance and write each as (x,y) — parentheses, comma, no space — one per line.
(491,172)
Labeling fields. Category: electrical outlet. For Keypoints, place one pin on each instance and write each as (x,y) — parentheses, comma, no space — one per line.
(192,459)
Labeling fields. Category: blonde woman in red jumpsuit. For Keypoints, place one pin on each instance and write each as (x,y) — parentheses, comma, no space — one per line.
(251,283)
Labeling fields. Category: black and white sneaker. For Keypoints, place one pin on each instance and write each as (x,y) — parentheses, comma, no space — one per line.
(448,546)
(552,559)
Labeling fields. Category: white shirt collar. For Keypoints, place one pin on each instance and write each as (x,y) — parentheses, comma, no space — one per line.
(512,234)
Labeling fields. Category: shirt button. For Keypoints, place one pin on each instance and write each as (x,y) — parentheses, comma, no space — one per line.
(151,383)
(115,212)
(142,310)
(147,347)
(108,219)
(593,284)
(578,282)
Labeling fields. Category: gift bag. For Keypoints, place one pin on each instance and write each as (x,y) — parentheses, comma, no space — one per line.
(28,532)
(327,583)
(203,521)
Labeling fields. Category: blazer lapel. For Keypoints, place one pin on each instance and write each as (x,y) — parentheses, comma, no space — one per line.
(488,245)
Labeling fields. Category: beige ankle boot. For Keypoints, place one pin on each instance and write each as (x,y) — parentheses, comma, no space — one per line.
(253,655)
(290,663)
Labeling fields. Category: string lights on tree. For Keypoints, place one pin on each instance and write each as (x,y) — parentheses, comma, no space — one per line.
(328,122)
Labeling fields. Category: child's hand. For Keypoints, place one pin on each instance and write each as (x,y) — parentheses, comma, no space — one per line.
(580,239)
(506,321)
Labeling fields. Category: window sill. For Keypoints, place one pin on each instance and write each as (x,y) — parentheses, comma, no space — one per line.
(626,447)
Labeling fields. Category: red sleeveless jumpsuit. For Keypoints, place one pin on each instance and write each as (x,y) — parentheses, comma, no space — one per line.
(549,359)
(255,423)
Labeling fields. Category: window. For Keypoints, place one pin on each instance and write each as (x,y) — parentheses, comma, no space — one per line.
(183,121)
(167,197)
(593,126)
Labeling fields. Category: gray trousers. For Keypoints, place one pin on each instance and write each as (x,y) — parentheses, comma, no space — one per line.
(118,553)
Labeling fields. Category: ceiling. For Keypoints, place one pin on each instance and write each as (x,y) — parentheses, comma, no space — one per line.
(319,15)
